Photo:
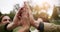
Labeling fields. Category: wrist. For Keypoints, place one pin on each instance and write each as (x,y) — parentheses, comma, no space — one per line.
(41,27)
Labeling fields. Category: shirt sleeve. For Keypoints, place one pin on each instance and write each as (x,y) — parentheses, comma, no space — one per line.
(3,28)
(50,27)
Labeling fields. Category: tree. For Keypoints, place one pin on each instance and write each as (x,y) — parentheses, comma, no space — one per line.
(55,16)
(12,14)
(16,7)
(0,13)
(55,13)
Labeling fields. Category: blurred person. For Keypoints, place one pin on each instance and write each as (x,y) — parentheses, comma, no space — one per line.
(7,26)
(25,18)
(20,19)
(41,25)
(4,19)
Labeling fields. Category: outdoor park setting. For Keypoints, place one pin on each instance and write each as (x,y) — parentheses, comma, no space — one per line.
(30,15)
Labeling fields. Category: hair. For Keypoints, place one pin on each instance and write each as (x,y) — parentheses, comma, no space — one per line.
(2,16)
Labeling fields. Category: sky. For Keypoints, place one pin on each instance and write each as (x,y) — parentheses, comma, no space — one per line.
(7,5)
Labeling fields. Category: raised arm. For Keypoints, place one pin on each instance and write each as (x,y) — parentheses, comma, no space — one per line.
(16,21)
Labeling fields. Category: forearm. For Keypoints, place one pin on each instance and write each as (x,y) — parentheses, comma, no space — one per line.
(11,26)
(49,27)
(14,24)
(35,24)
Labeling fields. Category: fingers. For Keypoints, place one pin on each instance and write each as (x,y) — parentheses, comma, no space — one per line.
(21,10)
(19,13)
(22,15)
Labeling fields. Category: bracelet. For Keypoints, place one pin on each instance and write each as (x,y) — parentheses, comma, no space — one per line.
(41,27)
(29,31)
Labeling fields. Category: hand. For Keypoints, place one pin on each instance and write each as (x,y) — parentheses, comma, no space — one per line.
(25,16)
(32,21)
(24,20)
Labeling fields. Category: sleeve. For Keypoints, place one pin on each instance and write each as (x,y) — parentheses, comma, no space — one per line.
(50,27)
(5,28)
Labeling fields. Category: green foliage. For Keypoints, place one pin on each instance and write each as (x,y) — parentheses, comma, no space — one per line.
(55,18)
(0,13)
(12,14)
(55,22)
(55,13)
(32,28)
(16,29)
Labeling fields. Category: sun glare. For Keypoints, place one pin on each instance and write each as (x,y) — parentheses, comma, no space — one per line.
(45,5)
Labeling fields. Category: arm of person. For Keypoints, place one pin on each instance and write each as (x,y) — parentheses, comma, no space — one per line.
(51,27)
(15,23)
(11,26)
(47,27)
(31,18)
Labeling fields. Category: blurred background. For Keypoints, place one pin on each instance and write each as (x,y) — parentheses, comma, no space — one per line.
(49,9)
